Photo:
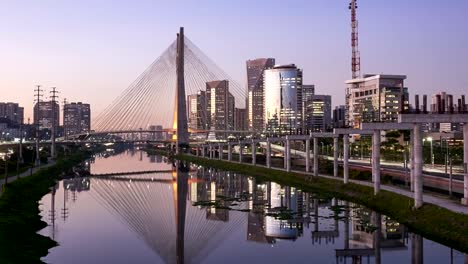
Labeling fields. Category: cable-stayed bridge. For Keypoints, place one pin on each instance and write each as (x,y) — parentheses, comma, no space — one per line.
(157,98)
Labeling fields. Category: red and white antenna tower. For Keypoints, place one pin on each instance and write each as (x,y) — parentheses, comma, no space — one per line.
(356,59)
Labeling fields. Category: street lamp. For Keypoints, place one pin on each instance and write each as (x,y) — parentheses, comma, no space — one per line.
(432,150)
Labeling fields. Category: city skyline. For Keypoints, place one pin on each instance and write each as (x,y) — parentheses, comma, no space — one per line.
(61,49)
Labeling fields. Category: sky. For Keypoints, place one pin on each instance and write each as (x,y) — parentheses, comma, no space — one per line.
(91,50)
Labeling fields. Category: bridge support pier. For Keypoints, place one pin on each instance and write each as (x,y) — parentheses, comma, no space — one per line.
(412,160)
(307,143)
(376,161)
(287,154)
(240,152)
(465,164)
(345,158)
(418,164)
(220,149)
(203,151)
(315,156)
(335,157)
(268,154)
(254,153)
(229,152)
(211,152)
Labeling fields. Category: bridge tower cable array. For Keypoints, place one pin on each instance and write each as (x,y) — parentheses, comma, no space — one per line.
(150,99)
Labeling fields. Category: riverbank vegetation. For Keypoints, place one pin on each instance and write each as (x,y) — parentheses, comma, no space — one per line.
(20,216)
(433,222)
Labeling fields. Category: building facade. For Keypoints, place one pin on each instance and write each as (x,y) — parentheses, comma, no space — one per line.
(197,110)
(339,119)
(318,113)
(76,118)
(45,113)
(12,112)
(220,105)
(240,119)
(255,97)
(442,102)
(376,98)
(283,99)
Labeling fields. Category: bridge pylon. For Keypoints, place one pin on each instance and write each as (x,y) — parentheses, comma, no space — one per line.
(180,116)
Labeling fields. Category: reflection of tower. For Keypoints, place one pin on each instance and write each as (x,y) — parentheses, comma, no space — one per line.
(65,209)
(52,215)
(181,202)
(328,235)
(256,218)
(417,249)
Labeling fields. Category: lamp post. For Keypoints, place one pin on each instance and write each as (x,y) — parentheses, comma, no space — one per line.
(429,139)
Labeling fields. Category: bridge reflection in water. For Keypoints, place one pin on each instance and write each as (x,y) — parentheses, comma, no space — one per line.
(185,214)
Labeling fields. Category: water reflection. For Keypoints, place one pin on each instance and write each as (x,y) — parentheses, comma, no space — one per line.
(188,214)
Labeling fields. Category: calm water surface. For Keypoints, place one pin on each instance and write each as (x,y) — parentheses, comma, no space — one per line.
(196,215)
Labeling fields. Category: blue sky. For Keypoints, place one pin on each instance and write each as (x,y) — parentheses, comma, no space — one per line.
(92,50)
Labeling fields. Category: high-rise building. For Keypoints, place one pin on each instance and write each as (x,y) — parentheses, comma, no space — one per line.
(443,103)
(339,120)
(197,106)
(255,100)
(45,112)
(12,112)
(76,118)
(283,99)
(318,113)
(376,98)
(220,105)
(308,90)
(240,119)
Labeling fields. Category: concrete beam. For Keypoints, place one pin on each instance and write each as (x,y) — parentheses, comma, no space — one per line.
(352,131)
(386,126)
(433,118)
(323,135)
(298,137)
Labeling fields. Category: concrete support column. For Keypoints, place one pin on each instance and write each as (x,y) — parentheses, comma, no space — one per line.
(345,158)
(315,156)
(229,152)
(412,160)
(240,152)
(288,154)
(254,153)
(376,161)
(211,151)
(197,151)
(307,155)
(220,151)
(417,249)
(268,154)
(335,157)
(465,164)
(418,164)
(203,151)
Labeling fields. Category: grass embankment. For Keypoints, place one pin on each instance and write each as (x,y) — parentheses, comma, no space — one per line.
(19,213)
(433,222)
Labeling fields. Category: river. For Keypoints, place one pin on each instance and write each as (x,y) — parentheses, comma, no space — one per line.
(181,213)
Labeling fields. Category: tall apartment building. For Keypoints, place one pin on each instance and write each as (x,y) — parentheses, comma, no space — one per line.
(255,92)
(44,114)
(197,110)
(76,118)
(442,103)
(220,105)
(318,113)
(283,99)
(12,112)
(376,98)
(339,119)
(240,119)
